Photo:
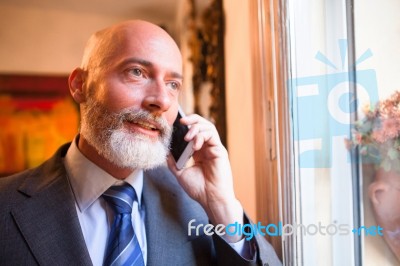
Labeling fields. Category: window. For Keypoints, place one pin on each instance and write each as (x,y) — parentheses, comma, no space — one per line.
(320,63)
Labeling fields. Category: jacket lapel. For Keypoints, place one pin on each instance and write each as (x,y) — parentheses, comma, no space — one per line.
(47,218)
(167,240)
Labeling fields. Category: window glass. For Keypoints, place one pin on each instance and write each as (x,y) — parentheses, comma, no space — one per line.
(377,41)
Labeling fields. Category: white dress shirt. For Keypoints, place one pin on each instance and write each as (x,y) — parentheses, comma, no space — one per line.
(88,183)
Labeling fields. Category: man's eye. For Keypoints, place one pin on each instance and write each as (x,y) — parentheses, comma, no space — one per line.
(174,85)
(137,72)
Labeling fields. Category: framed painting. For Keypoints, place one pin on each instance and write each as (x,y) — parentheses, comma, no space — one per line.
(37,115)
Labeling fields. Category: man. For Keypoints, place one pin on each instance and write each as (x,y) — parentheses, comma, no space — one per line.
(127,88)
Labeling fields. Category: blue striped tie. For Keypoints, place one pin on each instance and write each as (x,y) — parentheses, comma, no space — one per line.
(123,247)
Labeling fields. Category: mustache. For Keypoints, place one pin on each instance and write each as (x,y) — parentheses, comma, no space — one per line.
(133,115)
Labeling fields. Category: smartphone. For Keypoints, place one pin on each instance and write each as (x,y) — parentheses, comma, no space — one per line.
(181,150)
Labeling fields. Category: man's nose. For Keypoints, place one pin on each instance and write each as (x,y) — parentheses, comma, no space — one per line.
(157,99)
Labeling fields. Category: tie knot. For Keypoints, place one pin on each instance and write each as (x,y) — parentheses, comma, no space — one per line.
(121,198)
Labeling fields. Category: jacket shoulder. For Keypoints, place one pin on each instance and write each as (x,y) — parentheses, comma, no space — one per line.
(18,186)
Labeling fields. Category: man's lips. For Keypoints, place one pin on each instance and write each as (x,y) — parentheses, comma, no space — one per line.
(145,127)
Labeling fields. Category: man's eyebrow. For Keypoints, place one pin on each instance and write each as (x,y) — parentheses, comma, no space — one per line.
(149,64)
(176,75)
(138,61)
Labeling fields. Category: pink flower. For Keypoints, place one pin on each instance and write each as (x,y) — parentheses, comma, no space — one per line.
(392,127)
(380,129)
(389,130)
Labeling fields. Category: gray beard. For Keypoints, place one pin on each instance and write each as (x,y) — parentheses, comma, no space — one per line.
(105,132)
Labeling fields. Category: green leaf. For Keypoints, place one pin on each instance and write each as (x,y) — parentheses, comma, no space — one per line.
(392,153)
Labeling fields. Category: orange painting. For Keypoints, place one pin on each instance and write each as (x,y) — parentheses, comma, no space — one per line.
(37,115)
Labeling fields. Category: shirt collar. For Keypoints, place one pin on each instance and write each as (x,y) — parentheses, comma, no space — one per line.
(89,181)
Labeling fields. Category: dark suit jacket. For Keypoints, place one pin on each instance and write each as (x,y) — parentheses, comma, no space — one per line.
(39,222)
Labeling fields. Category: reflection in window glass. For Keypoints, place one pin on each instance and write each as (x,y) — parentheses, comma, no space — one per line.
(377,29)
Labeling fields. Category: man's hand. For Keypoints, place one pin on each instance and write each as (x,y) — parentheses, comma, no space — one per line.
(209,179)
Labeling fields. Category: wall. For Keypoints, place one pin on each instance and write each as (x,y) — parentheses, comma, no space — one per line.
(43,40)
(50,39)
(239,101)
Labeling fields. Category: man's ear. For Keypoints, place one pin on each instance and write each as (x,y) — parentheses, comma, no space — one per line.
(376,190)
(76,82)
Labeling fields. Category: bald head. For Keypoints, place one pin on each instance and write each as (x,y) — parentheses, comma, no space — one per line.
(108,43)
